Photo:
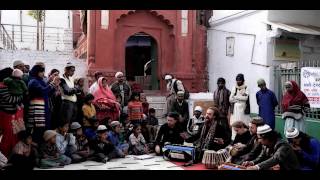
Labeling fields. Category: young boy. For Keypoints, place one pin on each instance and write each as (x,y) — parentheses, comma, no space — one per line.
(152,124)
(23,155)
(90,132)
(103,149)
(66,142)
(82,146)
(50,156)
(89,111)
(114,138)
(15,83)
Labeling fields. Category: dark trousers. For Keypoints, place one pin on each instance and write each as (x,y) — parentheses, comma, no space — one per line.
(68,111)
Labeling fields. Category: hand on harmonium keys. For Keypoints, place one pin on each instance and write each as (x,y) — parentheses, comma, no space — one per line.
(252,168)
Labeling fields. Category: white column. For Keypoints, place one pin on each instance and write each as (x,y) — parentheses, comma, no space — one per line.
(104,19)
(184,22)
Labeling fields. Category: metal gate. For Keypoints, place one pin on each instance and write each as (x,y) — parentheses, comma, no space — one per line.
(291,71)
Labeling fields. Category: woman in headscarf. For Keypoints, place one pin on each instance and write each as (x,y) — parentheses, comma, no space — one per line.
(39,113)
(294,105)
(105,102)
(11,115)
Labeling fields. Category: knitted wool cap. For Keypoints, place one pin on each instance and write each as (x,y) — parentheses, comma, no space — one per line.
(17,73)
(261,82)
(48,134)
(240,77)
(263,129)
(292,133)
(17,62)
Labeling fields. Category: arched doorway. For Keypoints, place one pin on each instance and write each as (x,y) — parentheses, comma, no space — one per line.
(141,60)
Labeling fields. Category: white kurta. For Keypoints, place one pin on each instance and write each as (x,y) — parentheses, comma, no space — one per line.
(239,99)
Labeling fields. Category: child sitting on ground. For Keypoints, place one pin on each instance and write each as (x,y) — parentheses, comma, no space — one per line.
(82,147)
(66,142)
(15,83)
(137,142)
(90,132)
(152,124)
(89,111)
(114,138)
(23,155)
(50,156)
(103,149)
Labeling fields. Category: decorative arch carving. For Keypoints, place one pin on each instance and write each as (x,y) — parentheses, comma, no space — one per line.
(153,12)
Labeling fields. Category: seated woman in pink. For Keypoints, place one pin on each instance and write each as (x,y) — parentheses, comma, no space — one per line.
(105,102)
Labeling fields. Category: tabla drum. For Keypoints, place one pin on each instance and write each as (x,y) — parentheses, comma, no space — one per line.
(209,159)
(212,159)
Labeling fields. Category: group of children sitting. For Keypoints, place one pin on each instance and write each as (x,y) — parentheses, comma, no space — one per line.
(93,140)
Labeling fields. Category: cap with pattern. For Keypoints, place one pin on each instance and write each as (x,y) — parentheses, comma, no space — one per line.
(292,133)
(263,129)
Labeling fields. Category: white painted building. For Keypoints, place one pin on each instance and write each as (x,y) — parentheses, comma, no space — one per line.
(58,32)
(252,33)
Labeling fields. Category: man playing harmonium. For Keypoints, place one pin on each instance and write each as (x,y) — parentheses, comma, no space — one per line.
(276,151)
(170,132)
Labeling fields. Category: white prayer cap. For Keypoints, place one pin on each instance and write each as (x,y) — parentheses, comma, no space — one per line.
(263,129)
(198,108)
(102,128)
(292,133)
(69,64)
(119,74)
(168,77)
(180,93)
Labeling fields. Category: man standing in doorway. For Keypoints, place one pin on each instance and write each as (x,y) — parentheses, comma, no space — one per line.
(240,106)
(173,86)
(120,87)
(69,98)
(266,101)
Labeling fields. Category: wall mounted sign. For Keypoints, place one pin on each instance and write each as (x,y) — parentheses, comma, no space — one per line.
(230,46)
(310,85)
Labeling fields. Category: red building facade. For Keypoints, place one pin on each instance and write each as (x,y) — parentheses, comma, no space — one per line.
(174,41)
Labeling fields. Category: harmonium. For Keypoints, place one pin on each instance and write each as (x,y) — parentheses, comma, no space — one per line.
(179,152)
(231,166)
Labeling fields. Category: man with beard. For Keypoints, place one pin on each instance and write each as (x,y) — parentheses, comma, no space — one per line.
(120,87)
(213,135)
(251,150)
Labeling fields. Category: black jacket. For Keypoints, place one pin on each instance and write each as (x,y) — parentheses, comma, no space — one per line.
(281,153)
(167,134)
(101,147)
